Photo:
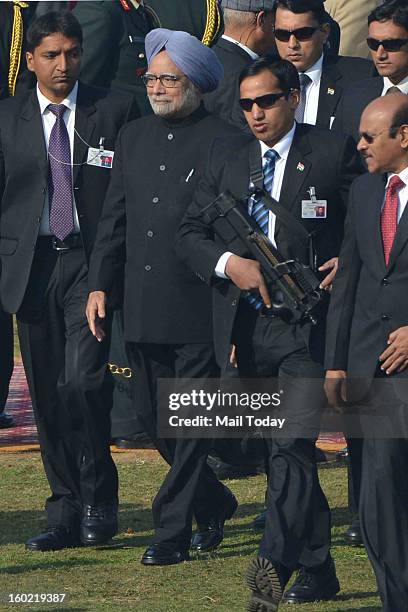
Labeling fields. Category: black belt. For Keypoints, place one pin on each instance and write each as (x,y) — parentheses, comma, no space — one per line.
(73,241)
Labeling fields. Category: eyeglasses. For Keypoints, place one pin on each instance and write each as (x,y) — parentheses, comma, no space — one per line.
(390,44)
(167,80)
(369,138)
(301,34)
(266,101)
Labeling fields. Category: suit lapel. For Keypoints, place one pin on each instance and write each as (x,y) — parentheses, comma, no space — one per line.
(372,222)
(330,92)
(34,132)
(84,128)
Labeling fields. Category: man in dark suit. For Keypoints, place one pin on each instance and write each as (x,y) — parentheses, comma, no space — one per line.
(247,35)
(267,344)
(301,31)
(167,309)
(388,43)
(367,339)
(54,171)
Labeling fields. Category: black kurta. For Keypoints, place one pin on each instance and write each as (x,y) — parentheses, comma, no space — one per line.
(157,166)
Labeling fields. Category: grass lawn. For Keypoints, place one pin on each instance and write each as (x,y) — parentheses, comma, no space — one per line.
(111,577)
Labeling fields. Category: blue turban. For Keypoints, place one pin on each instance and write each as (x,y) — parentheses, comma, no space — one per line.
(198,62)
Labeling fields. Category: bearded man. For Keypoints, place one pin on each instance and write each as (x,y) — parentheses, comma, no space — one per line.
(167,308)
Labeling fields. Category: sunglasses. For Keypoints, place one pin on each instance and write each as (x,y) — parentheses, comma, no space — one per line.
(369,138)
(390,44)
(301,34)
(266,101)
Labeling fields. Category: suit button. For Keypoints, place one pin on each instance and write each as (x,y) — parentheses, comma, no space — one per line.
(141,56)
(385,282)
(148,268)
(76,188)
(162,168)
(234,303)
(150,234)
(155,200)
(385,317)
(170,136)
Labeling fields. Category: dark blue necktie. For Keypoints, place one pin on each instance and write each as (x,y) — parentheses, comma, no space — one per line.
(261,213)
(60,176)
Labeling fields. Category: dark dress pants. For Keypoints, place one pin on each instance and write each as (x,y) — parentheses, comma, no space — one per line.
(71,391)
(297,530)
(383,507)
(6,356)
(190,487)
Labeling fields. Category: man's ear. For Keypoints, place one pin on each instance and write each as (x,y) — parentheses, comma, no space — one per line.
(294,98)
(30,61)
(326,31)
(260,18)
(404,136)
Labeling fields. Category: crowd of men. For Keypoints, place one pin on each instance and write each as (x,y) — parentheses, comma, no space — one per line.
(101,210)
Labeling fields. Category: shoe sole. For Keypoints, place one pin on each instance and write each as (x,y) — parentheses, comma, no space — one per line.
(263,579)
(329,592)
(151,562)
(97,541)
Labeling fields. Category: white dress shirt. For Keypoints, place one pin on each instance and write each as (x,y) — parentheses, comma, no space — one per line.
(402,193)
(251,53)
(282,148)
(402,85)
(313,91)
(48,120)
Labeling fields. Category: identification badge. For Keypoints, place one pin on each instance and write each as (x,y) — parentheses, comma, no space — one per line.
(101,159)
(314,209)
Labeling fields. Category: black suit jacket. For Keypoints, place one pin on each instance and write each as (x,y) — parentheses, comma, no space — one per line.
(353,102)
(224,101)
(369,299)
(24,177)
(157,168)
(317,158)
(338,74)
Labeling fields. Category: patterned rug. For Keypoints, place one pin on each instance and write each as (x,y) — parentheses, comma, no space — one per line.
(23,436)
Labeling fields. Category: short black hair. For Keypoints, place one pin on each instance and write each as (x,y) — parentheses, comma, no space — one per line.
(396,10)
(283,70)
(400,118)
(304,6)
(53,22)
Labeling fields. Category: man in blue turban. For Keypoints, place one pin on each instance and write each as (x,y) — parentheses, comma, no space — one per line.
(158,163)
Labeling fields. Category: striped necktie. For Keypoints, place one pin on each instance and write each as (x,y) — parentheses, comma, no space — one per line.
(261,213)
(300,111)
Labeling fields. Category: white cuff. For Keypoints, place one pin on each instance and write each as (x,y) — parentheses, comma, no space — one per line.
(221,265)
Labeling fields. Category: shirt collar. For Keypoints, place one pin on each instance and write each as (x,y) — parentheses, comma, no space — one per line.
(403,85)
(69,102)
(283,146)
(403,176)
(251,53)
(315,71)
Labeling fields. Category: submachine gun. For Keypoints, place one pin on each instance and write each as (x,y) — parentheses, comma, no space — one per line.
(294,286)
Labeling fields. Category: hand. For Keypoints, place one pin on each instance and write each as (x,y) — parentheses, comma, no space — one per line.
(95,311)
(233,356)
(332,264)
(246,274)
(395,357)
(335,388)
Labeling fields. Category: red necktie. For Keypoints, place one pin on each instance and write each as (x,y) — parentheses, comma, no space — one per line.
(389,215)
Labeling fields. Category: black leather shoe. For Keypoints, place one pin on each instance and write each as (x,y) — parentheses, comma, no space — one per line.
(210,535)
(99,523)
(226,471)
(267,582)
(311,586)
(259,521)
(353,534)
(158,554)
(6,420)
(135,441)
(54,537)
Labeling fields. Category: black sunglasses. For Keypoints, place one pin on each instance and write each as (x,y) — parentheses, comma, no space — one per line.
(266,101)
(390,44)
(301,34)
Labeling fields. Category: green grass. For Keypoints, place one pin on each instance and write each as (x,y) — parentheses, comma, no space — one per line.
(112,578)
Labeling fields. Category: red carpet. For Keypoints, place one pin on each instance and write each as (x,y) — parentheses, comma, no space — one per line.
(24,435)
